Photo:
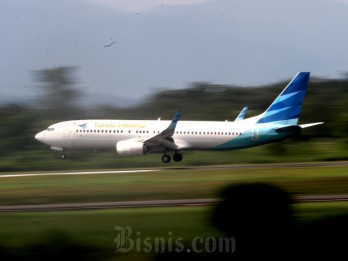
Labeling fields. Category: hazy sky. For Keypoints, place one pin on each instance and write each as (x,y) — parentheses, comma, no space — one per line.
(169,43)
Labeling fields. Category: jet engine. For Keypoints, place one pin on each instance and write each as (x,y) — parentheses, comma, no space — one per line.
(130,147)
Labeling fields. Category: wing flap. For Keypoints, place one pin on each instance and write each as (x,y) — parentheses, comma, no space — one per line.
(167,143)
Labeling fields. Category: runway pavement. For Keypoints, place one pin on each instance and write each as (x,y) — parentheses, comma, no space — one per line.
(76,173)
(164,203)
(151,203)
(246,166)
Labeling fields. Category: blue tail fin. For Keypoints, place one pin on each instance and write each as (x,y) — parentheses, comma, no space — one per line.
(286,108)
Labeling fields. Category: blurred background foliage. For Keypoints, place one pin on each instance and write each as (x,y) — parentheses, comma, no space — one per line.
(58,97)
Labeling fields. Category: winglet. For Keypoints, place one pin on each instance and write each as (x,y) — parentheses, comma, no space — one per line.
(175,120)
(241,115)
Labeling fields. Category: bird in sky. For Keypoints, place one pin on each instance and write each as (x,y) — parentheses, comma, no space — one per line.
(110,44)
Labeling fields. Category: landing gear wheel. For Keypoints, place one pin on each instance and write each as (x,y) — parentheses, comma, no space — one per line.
(177,157)
(63,156)
(166,158)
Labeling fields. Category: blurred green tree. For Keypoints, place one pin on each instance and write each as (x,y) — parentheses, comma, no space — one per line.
(59,91)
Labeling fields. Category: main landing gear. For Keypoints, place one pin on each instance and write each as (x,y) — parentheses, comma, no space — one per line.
(176,157)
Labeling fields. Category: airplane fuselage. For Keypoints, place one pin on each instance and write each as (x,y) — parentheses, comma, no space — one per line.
(188,135)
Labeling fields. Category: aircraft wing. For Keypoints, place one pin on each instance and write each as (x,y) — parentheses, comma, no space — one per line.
(165,138)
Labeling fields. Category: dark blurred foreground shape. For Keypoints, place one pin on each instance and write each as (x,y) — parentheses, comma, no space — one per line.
(259,217)
(261,220)
(55,247)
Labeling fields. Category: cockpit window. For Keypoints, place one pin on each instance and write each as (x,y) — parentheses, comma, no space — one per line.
(50,129)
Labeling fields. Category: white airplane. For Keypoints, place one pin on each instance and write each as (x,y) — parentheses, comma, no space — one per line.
(139,137)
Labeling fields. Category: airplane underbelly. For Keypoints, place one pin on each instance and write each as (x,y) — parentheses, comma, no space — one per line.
(204,144)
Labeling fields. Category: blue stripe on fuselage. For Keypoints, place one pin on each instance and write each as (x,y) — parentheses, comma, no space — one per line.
(261,134)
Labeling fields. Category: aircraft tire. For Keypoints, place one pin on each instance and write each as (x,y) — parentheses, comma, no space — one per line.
(177,157)
(166,158)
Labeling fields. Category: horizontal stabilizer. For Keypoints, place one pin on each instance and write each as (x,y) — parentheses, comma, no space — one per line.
(292,128)
(310,124)
(289,128)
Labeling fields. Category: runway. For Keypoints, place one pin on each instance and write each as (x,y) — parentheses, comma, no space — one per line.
(151,203)
(164,203)
(246,166)
(76,173)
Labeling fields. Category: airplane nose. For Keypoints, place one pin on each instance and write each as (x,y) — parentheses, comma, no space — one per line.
(40,136)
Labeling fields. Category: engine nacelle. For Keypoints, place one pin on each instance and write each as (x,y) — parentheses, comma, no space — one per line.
(130,147)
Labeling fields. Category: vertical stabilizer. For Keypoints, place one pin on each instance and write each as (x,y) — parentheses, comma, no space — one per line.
(286,108)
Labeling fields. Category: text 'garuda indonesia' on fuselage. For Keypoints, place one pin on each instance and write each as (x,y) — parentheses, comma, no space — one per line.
(139,137)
